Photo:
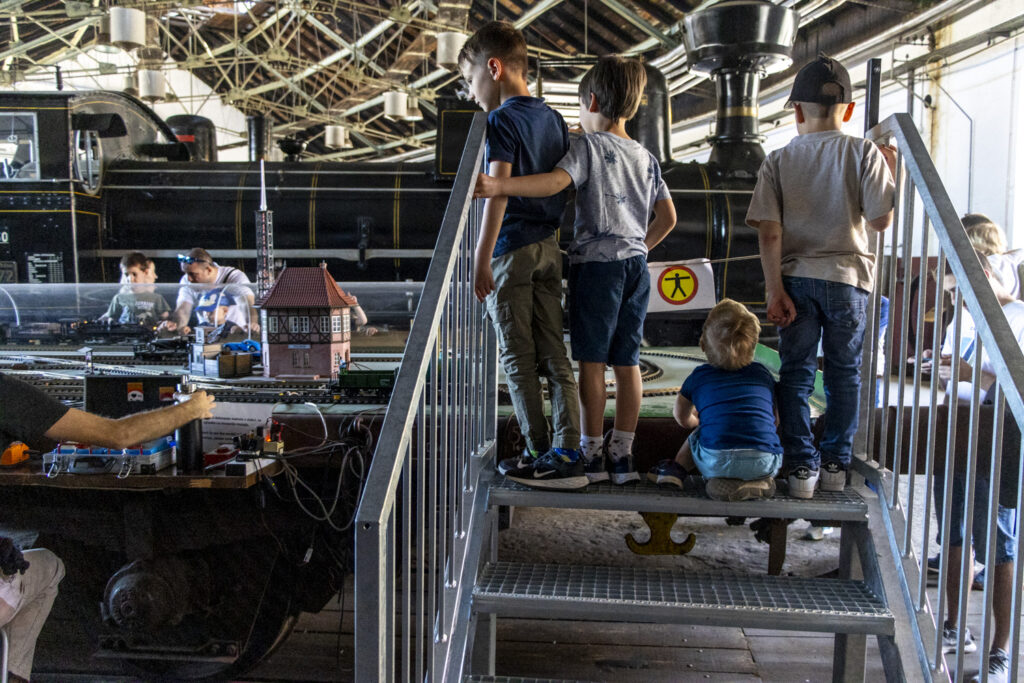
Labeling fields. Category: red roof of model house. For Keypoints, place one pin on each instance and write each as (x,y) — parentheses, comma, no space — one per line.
(306,288)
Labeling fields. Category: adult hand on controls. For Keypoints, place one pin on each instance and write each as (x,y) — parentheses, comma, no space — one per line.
(203,404)
(11,559)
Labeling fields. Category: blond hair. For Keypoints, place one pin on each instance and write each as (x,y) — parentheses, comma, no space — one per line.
(985,235)
(730,335)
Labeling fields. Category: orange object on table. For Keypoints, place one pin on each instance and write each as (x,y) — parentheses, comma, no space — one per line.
(15,454)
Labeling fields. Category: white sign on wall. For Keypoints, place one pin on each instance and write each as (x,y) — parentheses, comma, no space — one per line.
(681,286)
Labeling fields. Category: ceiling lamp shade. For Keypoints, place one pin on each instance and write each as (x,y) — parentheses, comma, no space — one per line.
(449,44)
(129,86)
(395,103)
(412,110)
(151,85)
(336,137)
(127,27)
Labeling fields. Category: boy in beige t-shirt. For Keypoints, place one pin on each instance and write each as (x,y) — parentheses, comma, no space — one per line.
(810,206)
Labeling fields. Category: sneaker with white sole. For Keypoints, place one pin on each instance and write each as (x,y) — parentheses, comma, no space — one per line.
(622,470)
(523,460)
(734,490)
(559,468)
(950,639)
(998,666)
(802,481)
(668,473)
(596,468)
(833,477)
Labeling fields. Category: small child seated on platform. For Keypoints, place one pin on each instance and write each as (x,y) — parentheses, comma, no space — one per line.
(734,443)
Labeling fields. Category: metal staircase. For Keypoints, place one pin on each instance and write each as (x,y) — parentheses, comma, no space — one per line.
(853,606)
(429,584)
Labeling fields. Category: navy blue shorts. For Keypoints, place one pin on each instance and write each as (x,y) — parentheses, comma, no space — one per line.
(607,307)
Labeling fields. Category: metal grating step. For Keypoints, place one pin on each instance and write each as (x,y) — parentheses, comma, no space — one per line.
(517,679)
(632,594)
(846,506)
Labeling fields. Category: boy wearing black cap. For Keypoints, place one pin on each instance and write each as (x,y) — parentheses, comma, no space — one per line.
(811,206)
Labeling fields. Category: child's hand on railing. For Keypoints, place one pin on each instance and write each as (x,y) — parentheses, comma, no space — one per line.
(889,152)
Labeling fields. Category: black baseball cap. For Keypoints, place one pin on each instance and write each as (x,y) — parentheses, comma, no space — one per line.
(810,82)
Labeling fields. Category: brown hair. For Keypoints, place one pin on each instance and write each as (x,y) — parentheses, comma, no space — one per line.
(135,258)
(498,39)
(618,84)
(813,110)
(200,255)
(985,235)
(730,335)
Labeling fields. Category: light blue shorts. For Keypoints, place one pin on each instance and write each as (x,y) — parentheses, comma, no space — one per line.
(733,463)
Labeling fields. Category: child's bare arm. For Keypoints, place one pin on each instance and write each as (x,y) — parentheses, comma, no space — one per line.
(538,185)
(664,221)
(883,222)
(494,211)
(780,307)
(684,413)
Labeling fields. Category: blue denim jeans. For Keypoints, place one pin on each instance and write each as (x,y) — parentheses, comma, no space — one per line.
(835,314)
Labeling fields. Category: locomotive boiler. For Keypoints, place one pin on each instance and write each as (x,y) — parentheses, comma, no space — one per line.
(110,177)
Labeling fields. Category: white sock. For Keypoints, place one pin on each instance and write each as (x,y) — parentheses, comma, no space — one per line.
(621,444)
(591,446)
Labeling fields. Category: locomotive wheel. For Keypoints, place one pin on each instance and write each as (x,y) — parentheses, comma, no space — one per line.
(268,629)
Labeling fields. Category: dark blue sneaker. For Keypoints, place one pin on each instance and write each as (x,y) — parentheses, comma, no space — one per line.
(526,459)
(622,470)
(667,473)
(596,468)
(559,468)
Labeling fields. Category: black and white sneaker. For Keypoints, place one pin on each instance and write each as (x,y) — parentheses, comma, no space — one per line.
(596,468)
(833,477)
(525,460)
(802,481)
(556,469)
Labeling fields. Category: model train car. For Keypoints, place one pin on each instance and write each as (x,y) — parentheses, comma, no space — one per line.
(353,383)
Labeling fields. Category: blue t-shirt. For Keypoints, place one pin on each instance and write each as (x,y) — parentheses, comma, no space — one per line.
(617,184)
(735,407)
(531,136)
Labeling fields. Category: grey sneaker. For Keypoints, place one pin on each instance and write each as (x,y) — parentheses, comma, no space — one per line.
(733,490)
(950,639)
(833,477)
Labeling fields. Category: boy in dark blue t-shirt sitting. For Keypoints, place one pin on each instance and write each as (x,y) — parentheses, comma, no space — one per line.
(734,443)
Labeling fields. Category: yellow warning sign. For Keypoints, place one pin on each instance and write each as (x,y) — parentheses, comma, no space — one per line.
(677,285)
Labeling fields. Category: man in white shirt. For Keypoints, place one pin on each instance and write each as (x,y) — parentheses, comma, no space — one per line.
(227,286)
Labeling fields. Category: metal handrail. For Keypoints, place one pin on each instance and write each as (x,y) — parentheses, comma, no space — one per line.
(417,527)
(908,495)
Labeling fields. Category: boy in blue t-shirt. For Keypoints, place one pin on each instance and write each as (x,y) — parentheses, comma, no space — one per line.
(517,265)
(734,443)
(618,188)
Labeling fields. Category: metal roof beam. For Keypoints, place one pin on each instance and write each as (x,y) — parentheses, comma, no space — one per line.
(534,12)
(638,21)
(24,48)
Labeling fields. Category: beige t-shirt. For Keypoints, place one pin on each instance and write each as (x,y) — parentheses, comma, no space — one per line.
(821,187)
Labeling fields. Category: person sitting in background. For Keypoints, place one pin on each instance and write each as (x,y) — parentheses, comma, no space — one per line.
(199,268)
(137,302)
(989,239)
(28,581)
(734,443)
(361,322)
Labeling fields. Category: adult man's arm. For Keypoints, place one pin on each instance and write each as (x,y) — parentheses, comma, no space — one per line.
(77,425)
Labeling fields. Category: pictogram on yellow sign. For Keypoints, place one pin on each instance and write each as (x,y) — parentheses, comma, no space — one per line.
(677,285)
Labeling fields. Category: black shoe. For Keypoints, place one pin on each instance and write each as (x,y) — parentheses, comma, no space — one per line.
(527,459)
(556,469)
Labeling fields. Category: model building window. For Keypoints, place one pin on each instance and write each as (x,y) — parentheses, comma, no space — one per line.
(295,359)
(272,324)
(335,324)
(293,323)
(337,361)
(348,323)
(304,323)
(325,321)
